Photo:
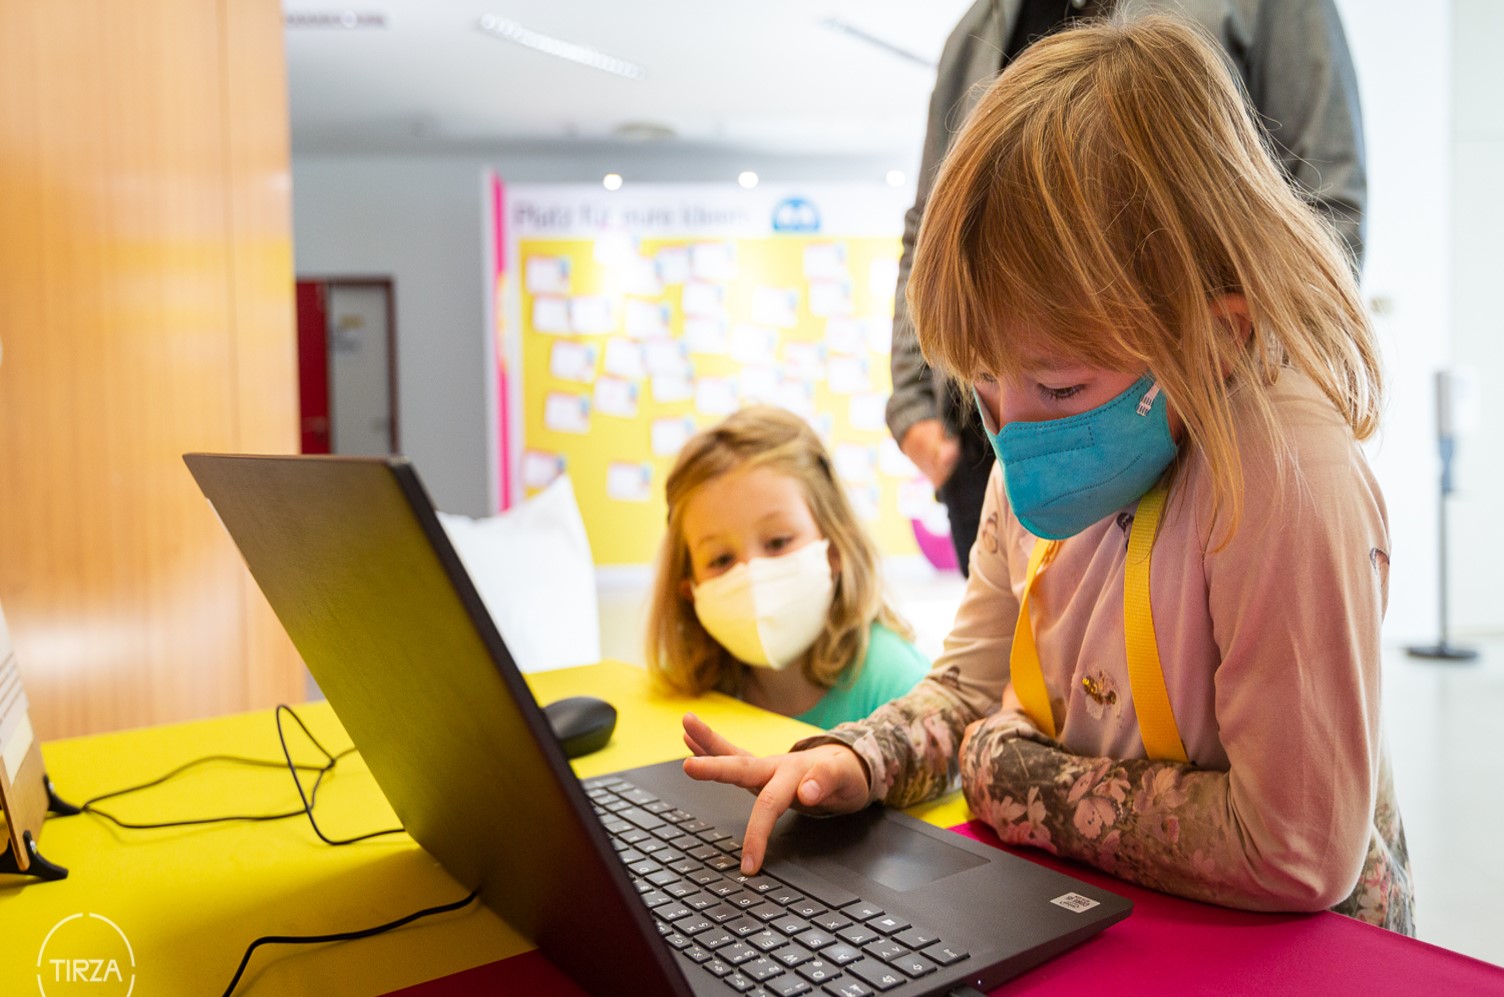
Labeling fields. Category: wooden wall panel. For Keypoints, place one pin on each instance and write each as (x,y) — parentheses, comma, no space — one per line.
(145,311)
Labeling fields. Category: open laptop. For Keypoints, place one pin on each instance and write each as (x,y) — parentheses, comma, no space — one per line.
(629,883)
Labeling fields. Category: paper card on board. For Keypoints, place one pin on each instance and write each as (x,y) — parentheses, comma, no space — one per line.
(642,277)
(855,463)
(892,462)
(798,397)
(775,306)
(703,299)
(627,482)
(540,468)
(670,435)
(706,336)
(830,297)
(846,336)
(715,396)
(673,264)
(571,361)
(591,315)
(647,319)
(666,357)
(713,260)
(848,375)
(866,502)
(669,388)
(566,413)
(804,361)
(624,359)
(758,384)
(616,397)
(825,261)
(551,315)
(547,275)
(751,344)
(879,329)
(882,278)
(869,411)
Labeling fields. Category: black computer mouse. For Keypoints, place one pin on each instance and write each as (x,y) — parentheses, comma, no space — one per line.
(581,723)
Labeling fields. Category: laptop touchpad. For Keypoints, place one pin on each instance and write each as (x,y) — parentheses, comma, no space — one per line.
(868,845)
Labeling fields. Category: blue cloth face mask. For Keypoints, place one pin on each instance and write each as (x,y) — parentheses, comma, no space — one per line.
(1062,475)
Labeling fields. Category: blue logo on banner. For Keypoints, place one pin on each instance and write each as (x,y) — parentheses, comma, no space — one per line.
(795,214)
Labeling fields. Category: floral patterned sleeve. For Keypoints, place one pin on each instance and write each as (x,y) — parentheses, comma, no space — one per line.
(1161,824)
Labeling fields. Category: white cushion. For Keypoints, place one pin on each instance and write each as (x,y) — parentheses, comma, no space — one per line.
(533,569)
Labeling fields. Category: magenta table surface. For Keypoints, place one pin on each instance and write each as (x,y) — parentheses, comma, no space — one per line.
(1168,947)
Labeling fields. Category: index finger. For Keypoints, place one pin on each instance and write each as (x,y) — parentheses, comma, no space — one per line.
(775,798)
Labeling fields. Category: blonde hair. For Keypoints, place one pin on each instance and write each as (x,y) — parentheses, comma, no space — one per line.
(679,651)
(1102,194)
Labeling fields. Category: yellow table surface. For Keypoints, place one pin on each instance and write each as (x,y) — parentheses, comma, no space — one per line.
(190,899)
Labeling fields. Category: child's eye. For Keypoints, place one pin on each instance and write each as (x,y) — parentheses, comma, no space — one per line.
(1058,394)
(779,543)
(719,563)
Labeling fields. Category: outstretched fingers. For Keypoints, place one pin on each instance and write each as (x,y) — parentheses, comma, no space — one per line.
(701,740)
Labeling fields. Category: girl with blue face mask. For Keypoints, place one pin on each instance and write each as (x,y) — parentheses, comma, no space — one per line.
(1166,661)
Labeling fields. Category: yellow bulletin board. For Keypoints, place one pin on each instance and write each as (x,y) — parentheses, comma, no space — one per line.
(630,343)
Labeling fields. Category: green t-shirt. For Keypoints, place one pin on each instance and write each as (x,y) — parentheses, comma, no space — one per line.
(891,668)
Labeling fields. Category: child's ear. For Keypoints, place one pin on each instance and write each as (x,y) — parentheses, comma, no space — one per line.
(686,590)
(1231,309)
(834,557)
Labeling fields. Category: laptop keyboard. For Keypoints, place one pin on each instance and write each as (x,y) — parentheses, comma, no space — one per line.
(782,934)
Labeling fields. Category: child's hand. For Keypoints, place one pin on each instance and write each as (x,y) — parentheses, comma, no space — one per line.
(826,779)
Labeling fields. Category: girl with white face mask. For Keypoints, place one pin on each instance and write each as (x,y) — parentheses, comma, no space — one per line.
(767,587)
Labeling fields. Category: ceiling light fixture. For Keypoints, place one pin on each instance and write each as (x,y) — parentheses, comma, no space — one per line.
(333,19)
(611,181)
(511,31)
(747,179)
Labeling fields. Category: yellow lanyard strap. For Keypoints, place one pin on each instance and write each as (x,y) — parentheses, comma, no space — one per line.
(1151,701)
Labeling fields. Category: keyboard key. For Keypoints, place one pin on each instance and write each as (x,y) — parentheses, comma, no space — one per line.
(678,888)
(736,953)
(945,955)
(760,968)
(767,940)
(731,846)
(841,954)
(694,826)
(657,807)
(697,953)
(639,796)
(815,939)
(663,877)
(630,855)
(887,923)
(704,852)
(887,950)
(848,988)
(915,965)
(704,877)
(685,866)
(793,955)
(738,982)
(723,863)
(693,924)
(723,887)
(713,835)
(858,934)
(677,940)
(916,937)
(683,842)
(698,901)
(862,911)
(677,816)
(766,911)
(721,913)
(808,908)
(784,895)
(671,912)
(811,885)
(830,920)
(718,966)
(640,817)
(654,898)
(618,827)
(791,925)
(788,986)
(875,974)
(819,970)
(743,926)
(654,847)
(743,900)
(714,938)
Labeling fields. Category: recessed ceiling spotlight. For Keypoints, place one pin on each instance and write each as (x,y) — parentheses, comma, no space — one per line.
(511,31)
(896,178)
(611,181)
(747,179)
(333,19)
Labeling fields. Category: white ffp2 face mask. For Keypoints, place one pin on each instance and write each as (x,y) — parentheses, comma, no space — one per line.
(769,610)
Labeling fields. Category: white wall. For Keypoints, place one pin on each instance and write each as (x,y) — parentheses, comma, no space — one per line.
(1477,568)
(1402,52)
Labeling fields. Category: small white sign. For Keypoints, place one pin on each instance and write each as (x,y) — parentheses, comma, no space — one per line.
(1075,902)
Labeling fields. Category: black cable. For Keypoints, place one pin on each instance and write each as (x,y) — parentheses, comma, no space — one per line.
(343,936)
(308,800)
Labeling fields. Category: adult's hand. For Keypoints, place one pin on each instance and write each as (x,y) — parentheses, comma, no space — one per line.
(825,779)
(932,450)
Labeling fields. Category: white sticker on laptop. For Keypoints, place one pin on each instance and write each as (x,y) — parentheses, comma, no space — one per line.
(1075,902)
